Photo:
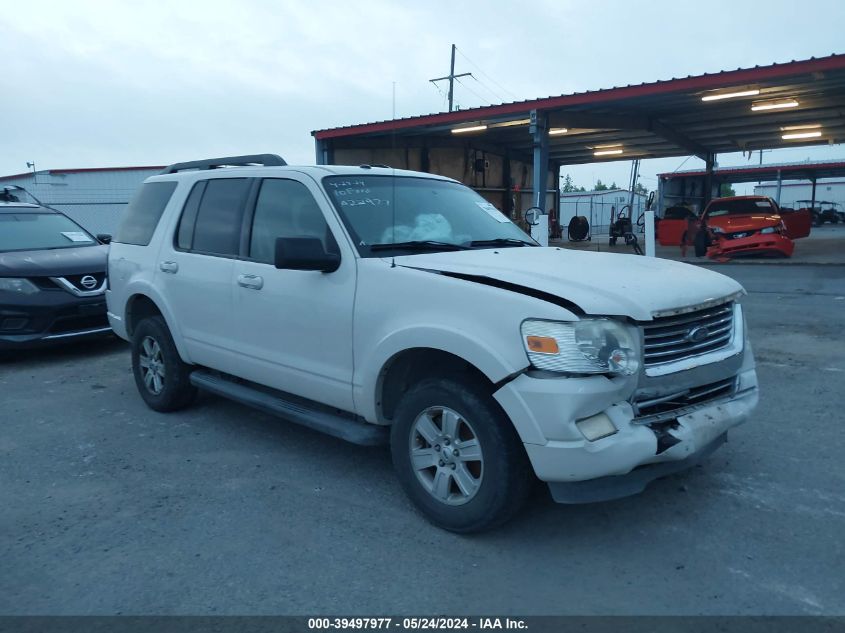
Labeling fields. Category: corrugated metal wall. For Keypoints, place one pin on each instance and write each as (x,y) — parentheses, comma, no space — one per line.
(597,207)
(95,199)
(791,192)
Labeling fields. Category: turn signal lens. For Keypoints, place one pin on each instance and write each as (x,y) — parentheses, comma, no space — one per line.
(542,344)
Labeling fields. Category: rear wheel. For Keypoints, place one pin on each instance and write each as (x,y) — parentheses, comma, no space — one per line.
(163,380)
(458,456)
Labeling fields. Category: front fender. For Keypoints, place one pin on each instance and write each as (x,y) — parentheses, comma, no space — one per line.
(489,360)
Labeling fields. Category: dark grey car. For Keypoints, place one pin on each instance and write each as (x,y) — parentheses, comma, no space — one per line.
(52,278)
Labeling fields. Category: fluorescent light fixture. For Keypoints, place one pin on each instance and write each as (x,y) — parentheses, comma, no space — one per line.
(558,130)
(774,105)
(809,126)
(730,95)
(474,128)
(607,152)
(789,137)
(510,123)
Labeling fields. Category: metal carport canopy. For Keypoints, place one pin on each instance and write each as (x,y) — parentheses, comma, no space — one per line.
(649,120)
(784,171)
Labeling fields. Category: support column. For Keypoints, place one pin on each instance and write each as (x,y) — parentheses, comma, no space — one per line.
(322,151)
(507,202)
(813,203)
(707,194)
(777,195)
(539,130)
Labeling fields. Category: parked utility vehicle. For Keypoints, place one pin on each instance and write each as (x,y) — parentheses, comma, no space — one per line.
(381,305)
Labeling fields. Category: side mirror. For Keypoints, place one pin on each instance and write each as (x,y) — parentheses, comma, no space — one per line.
(304,253)
(650,201)
(532,215)
(104,238)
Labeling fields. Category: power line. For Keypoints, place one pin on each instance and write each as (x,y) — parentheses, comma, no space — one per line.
(682,164)
(478,68)
(487,101)
(489,89)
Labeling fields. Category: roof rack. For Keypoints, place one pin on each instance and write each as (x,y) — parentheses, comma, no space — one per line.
(267,160)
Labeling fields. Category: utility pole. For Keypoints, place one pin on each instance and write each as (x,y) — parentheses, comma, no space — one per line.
(451,77)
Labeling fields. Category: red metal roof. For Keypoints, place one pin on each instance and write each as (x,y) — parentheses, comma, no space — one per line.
(761,170)
(82,170)
(657,88)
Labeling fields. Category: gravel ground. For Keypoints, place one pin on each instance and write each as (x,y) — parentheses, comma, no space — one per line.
(108,507)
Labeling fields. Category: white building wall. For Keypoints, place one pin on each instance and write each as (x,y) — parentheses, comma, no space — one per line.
(597,207)
(828,190)
(95,199)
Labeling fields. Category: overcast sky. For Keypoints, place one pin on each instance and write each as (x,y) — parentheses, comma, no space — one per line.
(93,84)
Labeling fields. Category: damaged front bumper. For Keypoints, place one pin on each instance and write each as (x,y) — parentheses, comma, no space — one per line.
(651,440)
(772,244)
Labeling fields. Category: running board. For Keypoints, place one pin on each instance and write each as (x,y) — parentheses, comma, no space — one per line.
(344,427)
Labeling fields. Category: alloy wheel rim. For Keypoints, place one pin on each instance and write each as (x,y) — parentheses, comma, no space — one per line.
(152,365)
(446,455)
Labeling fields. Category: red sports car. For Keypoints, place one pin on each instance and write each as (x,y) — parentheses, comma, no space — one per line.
(752,225)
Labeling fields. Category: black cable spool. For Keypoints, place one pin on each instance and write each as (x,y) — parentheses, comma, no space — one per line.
(579,228)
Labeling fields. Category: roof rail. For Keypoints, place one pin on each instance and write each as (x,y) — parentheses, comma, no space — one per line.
(267,160)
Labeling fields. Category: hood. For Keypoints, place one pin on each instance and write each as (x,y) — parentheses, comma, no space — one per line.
(56,262)
(597,283)
(750,222)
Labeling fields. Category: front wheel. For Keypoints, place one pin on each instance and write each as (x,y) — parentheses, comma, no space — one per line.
(163,380)
(457,455)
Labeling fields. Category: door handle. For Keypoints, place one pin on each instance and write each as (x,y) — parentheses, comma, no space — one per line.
(169,267)
(251,281)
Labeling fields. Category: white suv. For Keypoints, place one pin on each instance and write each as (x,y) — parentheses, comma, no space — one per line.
(380,305)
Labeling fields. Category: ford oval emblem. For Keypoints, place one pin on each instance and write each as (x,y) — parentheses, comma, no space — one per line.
(88,282)
(697,334)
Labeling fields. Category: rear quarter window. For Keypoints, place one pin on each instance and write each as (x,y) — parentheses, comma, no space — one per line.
(143,213)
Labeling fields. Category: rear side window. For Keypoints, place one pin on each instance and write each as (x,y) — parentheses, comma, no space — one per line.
(217,227)
(143,213)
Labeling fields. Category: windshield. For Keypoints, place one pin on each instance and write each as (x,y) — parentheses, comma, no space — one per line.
(35,231)
(739,207)
(412,212)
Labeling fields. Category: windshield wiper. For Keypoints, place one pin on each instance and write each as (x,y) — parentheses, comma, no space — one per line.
(502,241)
(419,245)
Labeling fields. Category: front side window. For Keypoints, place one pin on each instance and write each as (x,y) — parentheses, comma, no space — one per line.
(143,213)
(380,211)
(217,229)
(35,231)
(284,208)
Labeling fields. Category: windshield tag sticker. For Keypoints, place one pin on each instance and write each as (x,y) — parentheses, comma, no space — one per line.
(76,236)
(493,212)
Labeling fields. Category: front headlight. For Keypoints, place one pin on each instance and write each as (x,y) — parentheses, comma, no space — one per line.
(14,284)
(588,346)
(717,229)
(769,229)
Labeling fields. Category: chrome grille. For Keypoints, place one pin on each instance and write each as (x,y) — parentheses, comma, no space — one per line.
(672,405)
(673,338)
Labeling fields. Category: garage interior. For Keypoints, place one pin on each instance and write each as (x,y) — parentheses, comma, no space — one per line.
(511,152)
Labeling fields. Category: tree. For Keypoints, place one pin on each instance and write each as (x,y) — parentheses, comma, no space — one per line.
(600,186)
(613,185)
(725,190)
(641,189)
(568,186)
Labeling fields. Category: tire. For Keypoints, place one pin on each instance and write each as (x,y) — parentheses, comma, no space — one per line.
(168,388)
(479,493)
